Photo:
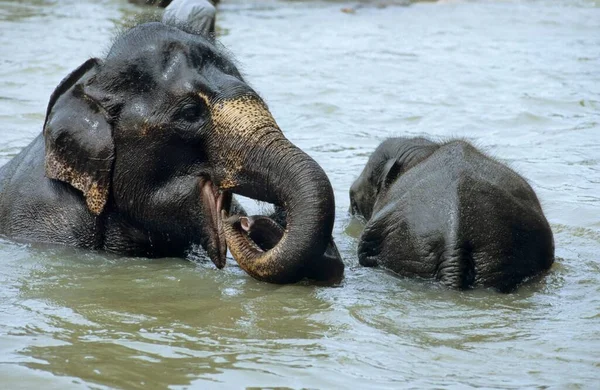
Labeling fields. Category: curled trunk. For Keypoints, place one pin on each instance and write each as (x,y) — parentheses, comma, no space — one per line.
(298,184)
(266,233)
(262,164)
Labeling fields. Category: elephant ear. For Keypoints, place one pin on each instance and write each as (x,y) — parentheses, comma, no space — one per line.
(391,170)
(415,151)
(78,138)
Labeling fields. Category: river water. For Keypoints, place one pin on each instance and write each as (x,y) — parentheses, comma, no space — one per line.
(521,79)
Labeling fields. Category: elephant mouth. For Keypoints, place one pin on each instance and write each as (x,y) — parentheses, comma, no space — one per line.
(214,201)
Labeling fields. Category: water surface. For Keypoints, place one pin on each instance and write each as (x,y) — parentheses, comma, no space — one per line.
(521,79)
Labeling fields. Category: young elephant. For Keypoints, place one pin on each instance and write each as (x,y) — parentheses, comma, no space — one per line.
(266,232)
(449,212)
(142,150)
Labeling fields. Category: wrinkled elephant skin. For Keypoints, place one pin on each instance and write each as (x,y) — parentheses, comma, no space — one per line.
(449,212)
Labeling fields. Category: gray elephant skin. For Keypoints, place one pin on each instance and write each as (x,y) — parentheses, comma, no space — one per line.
(266,232)
(142,150)
(449,212)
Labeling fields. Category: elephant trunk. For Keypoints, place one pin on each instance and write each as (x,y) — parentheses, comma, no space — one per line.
(298,184)
(264,165)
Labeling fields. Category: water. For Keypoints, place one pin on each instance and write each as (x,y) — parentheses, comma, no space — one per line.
(521,79)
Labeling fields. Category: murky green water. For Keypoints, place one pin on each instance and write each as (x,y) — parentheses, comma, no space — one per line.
(519,78)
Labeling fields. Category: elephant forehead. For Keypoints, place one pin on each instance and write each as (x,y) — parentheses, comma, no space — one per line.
(243,116)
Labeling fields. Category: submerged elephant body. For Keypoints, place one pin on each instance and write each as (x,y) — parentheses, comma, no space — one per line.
(447,211)
(141,152)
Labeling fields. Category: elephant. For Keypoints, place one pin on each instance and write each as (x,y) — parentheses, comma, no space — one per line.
(448,212)
(162,3)
(200,15)
(141,152)
(266,232)
(157,3)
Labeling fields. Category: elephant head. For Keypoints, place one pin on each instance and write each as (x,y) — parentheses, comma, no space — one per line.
(158,136)
(391,159)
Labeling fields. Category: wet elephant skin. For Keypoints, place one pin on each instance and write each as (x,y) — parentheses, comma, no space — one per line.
(142,150)
(449,212)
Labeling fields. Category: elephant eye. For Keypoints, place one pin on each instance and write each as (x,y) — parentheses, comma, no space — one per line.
(191,112)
